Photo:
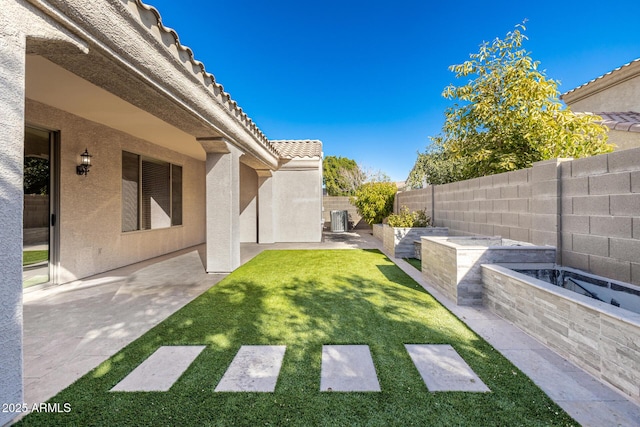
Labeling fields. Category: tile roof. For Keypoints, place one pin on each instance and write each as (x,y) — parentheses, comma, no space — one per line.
(625,121)
(627,65)
(185,55)
(297,149)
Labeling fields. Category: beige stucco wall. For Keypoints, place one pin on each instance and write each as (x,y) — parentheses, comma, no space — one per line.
(248,204)
(623,96)
(90,207)
(22,28)
(624,140)
(618,91)
(12,47)
(297,201)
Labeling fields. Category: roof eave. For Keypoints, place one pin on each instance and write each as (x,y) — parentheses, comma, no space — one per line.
(619,75)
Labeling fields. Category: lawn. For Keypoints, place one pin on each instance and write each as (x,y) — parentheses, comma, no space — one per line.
(416,263)
(304,299)
(34,257)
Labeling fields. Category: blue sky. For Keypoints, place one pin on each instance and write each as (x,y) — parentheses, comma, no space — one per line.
(366,77)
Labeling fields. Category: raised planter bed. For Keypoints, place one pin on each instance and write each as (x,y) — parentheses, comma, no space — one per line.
(378,231)
(417,249)
(400,241)
(596,335)
(453,264)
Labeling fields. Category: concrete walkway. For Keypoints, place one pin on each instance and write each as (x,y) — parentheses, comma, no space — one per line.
(70,329)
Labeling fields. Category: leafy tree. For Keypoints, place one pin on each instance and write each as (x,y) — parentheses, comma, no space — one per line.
(374,175)
(36,176)
(510,114)
(435,166)
(374,201)
(342,176)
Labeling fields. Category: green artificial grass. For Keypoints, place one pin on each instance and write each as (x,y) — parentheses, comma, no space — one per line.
(33,257)
(416,263)
(304,299)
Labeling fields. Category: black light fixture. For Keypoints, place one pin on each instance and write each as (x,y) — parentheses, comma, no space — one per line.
(83,167)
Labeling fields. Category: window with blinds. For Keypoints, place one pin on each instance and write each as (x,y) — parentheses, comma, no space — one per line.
(176,195)
(151,193)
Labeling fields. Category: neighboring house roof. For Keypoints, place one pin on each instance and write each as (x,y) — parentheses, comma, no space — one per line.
(624,121)
(621,73)
(297,149)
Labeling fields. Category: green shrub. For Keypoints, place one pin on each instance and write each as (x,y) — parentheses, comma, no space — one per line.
(374,201)
(406,219)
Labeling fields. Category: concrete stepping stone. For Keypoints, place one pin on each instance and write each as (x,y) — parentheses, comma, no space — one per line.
(442,368)
(161,369)
(254,368)
(348,368)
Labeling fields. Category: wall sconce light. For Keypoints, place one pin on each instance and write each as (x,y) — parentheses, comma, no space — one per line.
(83,167)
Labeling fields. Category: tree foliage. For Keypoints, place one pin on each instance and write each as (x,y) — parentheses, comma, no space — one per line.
(342,176)
(435,166)
(36,176)
(374,201)
(374,175)
(408,219)
(507,116)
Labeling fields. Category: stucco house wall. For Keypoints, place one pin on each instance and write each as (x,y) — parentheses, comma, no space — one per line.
(248,205)
(90,217)
(16,20)
(624,140)
(297,194)
(618,90)
(616,97)
(11,201)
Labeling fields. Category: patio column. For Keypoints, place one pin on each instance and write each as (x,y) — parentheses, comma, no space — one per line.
(12,93)
(222,205)
(265,207)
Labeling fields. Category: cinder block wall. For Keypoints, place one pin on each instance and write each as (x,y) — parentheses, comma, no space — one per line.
(491,205)
(36,211)
(588,208)
(340,203)
(415,200)
(601,215)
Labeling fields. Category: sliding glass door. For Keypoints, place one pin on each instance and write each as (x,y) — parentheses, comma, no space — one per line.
(39,206)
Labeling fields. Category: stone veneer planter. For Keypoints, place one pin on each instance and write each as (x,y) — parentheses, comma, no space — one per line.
(602,339)
(378,231)
(453,264)
(398,241)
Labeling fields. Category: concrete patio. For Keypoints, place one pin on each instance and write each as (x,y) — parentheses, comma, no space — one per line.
(70,329)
